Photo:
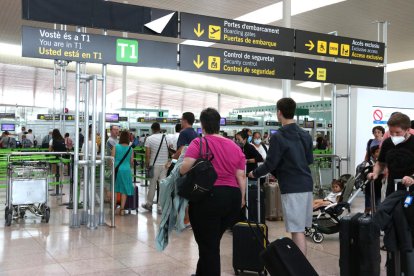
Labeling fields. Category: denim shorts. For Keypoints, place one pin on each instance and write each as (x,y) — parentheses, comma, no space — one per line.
(297,211)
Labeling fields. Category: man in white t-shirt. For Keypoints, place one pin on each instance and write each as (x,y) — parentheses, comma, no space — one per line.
(30,136)
(173,138)
(154,142)
(113,139)
(20,134)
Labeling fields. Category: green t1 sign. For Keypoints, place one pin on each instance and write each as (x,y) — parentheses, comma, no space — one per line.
(127,50)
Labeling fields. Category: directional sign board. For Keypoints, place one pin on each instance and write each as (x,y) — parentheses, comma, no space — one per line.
(339,73)
(228,31)
(102,14)
(338,46)
(73,46)
(221,61)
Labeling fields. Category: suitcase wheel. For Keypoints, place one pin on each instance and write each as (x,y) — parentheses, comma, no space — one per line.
(317,237)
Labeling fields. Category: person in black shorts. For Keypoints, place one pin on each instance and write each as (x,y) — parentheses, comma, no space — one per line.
(398,125)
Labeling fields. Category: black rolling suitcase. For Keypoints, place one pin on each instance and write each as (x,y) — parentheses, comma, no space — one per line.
(359,241)
(249,238)
(255,200)
(282,257)
(402,263)
(132,202)
(248,243)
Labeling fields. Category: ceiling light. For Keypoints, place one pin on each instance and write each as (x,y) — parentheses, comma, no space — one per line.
(11,49)
(274,12)
(310,84)
(264,15)
(398,66)
(300,6)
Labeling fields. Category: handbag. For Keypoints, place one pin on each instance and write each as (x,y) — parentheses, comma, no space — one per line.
(149,172)
(198,182)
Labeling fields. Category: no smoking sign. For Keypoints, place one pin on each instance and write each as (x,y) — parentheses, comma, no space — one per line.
(377,115)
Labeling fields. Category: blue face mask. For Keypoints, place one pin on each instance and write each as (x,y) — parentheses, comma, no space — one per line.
(249,139)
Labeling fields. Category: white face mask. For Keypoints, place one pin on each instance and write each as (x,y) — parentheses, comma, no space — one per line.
(257,141)
(397,139)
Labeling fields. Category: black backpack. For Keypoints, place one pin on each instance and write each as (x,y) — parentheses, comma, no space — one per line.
(58,145)
(198,182)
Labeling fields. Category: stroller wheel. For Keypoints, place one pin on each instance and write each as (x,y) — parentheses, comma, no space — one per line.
(308,231)
(317,237)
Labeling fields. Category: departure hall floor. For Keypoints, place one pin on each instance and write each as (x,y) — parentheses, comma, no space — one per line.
(29,247)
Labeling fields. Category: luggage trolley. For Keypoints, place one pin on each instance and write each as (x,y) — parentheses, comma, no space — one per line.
(27,190)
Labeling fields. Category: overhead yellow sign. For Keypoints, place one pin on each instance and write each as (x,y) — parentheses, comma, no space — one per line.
(198,63)
(321,74)
(198,32)
(309,72)
(322,47)
(214,63)
(214,32)
(333,48)
(310,45)
(345,50)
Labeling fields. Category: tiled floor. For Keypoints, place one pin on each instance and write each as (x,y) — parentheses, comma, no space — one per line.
(29,247)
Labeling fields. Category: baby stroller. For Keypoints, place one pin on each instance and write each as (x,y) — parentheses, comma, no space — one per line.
(326,221)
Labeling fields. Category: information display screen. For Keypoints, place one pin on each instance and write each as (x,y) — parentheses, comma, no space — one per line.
(273,131)
(7,127)
(112,117)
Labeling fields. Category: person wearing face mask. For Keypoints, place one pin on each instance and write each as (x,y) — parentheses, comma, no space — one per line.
(249,135)
(387,133)
(251,154)
(398,125)
(259,146)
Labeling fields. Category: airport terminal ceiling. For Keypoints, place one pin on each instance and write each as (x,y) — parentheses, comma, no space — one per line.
(20,80)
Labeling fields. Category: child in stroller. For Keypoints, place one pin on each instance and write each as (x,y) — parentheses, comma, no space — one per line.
(326,220)
(337,186)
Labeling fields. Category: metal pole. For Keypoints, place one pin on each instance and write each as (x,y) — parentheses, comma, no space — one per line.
(102,175)
(54,93)
(61,96)
(218,102)
(65,95)
(84,218)
(385,40)
(113,194)
(348,124)
(92,220)
(74,222)
(287,15)
(322,92)
(333,130)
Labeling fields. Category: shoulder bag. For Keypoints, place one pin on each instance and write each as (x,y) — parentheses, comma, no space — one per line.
(198,182)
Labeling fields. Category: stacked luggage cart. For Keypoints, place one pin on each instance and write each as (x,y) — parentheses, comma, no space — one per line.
(27,190)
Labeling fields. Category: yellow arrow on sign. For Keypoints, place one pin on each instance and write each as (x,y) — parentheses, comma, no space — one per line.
(198,32)
(199,62)
(310,45)
(309,73)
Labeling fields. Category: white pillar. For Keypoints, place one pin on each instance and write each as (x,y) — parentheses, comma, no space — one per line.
(287,14)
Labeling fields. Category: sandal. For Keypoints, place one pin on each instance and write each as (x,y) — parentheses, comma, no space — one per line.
(122,212)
